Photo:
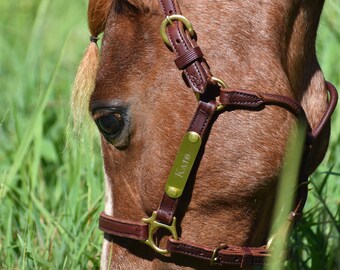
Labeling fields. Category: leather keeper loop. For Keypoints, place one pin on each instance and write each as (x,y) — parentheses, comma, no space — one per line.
(188,58)
(246,258)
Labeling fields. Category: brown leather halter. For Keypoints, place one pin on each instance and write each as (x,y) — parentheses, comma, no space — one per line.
(180,38)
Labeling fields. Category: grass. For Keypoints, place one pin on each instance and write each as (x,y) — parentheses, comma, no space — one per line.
(51,194)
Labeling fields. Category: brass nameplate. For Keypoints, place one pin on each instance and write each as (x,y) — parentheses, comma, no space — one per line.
(183,164)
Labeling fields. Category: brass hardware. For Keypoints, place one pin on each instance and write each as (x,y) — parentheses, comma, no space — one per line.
(223,84)
(220,82)
(198,96)
(183,164)
(193,137)
(172,192)
(154,226)
(214,256)
(169,20)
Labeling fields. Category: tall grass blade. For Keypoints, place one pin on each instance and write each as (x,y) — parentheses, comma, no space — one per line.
(281,226)
(32,126)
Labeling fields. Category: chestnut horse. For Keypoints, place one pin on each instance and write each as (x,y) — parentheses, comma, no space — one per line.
(143,108)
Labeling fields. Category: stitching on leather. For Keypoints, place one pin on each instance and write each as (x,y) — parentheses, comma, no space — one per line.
(245,95)
(188,252)
(162,5)
(200,75)
(206,115)
(193,251)
(172,4)
(136,237)
(198,252)
(192,78)
(194,119)
(186,47)
(243,102)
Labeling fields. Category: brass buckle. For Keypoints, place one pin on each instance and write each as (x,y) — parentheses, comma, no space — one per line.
(169,20)
(154,226)
(214,256)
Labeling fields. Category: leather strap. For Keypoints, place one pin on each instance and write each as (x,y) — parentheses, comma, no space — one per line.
(199,124)
(123,228)
(251,100)
(333,99)
(230,255)
(189,55)
(188,58)
(166,210)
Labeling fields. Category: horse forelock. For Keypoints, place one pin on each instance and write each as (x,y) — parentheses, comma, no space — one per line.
(98,12)
(84,82)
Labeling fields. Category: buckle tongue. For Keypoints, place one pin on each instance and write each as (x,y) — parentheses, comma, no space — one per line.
(214,258)
(154,226)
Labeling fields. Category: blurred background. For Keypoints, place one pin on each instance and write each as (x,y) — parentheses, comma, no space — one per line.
(51,186)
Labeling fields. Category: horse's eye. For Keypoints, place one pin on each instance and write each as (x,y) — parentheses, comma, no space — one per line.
(110,124)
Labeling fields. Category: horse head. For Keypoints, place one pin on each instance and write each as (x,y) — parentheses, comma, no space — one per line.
(144,109)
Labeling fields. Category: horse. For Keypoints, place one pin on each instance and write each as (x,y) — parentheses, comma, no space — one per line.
(143,105)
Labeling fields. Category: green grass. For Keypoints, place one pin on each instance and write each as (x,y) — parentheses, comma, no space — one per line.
(51,194)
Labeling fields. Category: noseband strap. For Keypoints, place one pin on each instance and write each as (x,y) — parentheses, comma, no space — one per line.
(180,38)
(225,255)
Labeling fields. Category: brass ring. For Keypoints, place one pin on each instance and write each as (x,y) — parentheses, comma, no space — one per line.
(220,82)
(223,84)
(169,20)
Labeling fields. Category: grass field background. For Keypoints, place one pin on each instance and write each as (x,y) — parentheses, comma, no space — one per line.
(51,189)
